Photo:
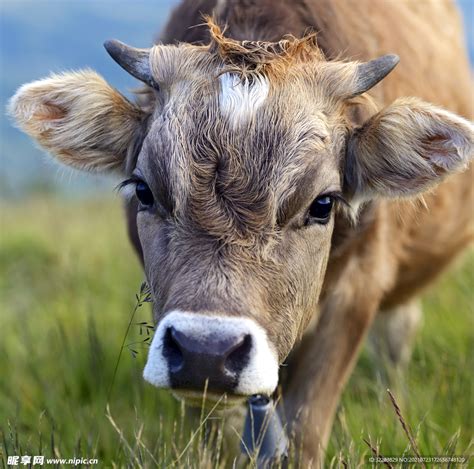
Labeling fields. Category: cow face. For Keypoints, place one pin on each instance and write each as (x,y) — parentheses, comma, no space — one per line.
(239,163)
(235,225)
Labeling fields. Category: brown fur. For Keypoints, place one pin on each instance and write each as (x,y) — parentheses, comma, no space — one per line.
(228,231)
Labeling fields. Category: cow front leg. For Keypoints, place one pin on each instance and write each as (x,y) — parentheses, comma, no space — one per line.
(319,371)
(393,334)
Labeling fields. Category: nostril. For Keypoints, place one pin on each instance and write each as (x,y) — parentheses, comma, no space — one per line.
(239,356)
(172,350)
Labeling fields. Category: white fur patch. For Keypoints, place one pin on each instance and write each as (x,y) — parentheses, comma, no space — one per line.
(260,376)
(239,98)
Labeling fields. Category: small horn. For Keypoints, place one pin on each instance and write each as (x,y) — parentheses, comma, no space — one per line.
(370,73)
(134,61)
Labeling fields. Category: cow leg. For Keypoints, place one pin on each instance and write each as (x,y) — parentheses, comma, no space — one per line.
(392,335)
(320,369)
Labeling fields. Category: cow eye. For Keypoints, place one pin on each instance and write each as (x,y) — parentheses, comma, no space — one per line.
(320,210)
(144,194)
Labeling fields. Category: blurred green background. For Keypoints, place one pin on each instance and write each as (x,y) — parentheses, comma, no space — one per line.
(68,279)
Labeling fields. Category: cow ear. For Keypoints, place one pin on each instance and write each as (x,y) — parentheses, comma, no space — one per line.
(79,119)
(405,149)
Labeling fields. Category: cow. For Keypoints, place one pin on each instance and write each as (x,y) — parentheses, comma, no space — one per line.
(287,186)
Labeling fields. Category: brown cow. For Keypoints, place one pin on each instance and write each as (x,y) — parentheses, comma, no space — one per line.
(277,211)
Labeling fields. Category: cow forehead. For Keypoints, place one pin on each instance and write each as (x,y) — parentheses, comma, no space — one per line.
(192,76)
(228,113)
(241,97)
(233,147)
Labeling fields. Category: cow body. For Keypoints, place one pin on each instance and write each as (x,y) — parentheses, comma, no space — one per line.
(276,212)
(397,248)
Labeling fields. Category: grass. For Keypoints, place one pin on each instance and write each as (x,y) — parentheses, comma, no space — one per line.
(67,290)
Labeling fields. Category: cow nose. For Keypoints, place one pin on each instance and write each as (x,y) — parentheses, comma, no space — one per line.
(217,359)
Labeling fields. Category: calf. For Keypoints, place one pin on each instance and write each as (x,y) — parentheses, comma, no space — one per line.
(275,209)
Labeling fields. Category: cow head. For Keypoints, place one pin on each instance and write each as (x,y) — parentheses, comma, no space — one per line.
(239,162)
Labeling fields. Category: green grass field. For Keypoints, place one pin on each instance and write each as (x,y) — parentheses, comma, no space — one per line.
(67,284)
